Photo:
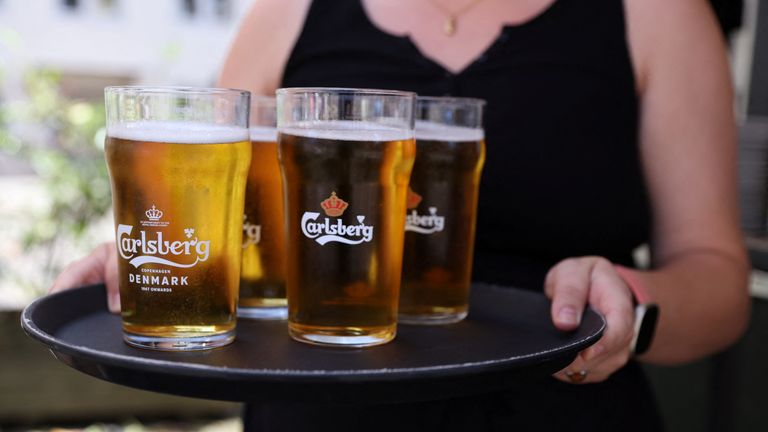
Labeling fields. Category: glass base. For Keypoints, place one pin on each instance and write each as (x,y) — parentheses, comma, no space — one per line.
(353,337)
(432,318)
(181,343)
(263,313)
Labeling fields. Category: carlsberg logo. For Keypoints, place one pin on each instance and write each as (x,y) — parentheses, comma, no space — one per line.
(150,248)
(425,224)
(335,232)
(327,231)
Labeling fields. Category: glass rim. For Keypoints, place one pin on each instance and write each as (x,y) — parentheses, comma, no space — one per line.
(174,90)
(345,90)
(451,100)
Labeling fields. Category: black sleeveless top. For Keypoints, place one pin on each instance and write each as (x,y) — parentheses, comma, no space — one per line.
(562,178)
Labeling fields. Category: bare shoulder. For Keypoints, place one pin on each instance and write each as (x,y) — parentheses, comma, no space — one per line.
(661,31)
(258,54)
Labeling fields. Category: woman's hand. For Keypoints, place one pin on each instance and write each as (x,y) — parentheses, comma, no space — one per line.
(573,284)
(98,267)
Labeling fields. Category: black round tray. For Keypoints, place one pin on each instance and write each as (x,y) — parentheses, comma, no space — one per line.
(507,337)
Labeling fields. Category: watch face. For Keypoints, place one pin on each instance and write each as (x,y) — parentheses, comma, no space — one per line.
(646,316)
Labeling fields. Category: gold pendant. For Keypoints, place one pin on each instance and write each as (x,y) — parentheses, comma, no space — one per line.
(449,27)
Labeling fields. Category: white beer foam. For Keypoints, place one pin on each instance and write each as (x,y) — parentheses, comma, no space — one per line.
(345,130)
(263,134)
(441,132)
(177,132)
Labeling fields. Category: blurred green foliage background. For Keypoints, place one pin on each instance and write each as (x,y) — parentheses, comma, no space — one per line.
(62,139)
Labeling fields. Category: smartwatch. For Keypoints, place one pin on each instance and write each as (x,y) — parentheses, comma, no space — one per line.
(646,312)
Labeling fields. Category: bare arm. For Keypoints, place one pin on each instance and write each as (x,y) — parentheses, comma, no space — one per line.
(258,55)
(688,146)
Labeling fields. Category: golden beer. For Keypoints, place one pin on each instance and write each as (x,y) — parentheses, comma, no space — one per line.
(178,160)
(441,215)
(346,191)
(262,278)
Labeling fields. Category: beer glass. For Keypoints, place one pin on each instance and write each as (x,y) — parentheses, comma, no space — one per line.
(346,156)
(262,277)
(442,207)
(178,160)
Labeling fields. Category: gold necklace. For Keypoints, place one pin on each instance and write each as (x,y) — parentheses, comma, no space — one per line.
(451,17)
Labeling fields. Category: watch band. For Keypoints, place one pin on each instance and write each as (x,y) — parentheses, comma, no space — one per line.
(646,312)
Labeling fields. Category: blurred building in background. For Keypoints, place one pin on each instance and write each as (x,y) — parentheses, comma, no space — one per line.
(101,42)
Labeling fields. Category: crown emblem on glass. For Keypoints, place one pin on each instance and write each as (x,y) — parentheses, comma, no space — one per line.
(154,214)
(413,199)
(334,206)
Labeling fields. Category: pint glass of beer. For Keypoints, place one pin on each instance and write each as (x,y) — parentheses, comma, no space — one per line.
(262,278)
(442,207)
(178,160)
(346,156)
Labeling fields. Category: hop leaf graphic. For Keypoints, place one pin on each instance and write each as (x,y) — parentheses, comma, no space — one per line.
(189,232)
